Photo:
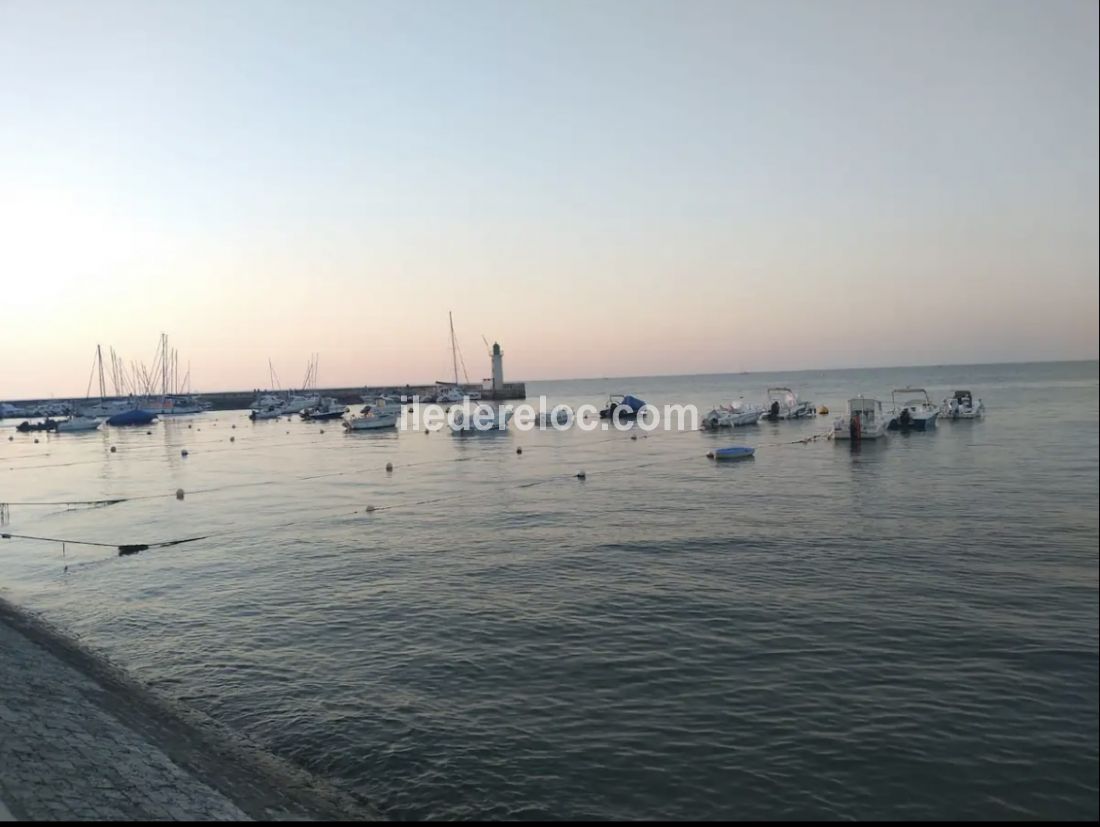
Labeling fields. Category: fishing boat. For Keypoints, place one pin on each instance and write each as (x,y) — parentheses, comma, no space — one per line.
(865,420)
(623,406)
(79,423)
(373,417)
(917,413)
(732,452)
(326,408)
(732,415)
(962,406)
(783,403)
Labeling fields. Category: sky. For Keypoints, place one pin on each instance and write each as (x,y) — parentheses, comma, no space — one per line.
(605,188)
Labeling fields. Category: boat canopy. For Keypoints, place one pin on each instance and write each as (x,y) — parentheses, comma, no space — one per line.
(963,395)
(863,405)
(632,403)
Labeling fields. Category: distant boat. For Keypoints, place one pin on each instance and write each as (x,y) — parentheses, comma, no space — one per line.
(134,416)
(326,408)
(623,406)
(783,403)
(45,425)
(482,419)
(79,423)
(963,406)
(373,418)
(732,416)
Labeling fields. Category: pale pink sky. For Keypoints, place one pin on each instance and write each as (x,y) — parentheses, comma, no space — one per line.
(606,189)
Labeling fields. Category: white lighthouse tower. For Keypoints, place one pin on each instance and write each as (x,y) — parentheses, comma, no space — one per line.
(498,369)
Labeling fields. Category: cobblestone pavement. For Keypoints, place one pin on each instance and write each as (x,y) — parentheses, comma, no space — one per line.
(79,742)
(63,756)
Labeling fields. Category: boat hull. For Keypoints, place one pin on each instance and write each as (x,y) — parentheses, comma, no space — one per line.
(370,423)
(134,417)
(736,452)
(923,423)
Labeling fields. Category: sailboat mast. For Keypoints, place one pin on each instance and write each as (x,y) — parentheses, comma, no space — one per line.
(454,350)
(99,361)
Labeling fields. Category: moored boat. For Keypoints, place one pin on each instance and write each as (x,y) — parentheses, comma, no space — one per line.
(373,418)
(326,408)
(79,423)
(917,413)
(783,403)
(865,420)
(733,415)
(962,406)
(622,406)
(732,452)
(133,416)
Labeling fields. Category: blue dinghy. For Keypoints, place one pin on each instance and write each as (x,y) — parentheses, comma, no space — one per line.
(733,452)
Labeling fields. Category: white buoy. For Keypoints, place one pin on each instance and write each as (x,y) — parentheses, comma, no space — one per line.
(179,493)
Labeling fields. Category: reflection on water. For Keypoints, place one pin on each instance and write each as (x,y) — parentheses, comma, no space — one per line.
(900,629)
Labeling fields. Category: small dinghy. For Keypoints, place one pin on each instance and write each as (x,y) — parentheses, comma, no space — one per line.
(733,452)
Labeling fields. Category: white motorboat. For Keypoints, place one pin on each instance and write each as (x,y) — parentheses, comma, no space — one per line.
(79,423)
(915,413)
(301,402)
(326,408)
(865,420)
(963,406)
(480,418)
(733,415)
(783,403)
(373,417)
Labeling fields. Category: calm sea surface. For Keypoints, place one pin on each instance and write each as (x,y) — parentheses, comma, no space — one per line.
(907,630)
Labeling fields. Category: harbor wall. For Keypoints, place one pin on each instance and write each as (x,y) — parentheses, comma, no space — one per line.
(239,400)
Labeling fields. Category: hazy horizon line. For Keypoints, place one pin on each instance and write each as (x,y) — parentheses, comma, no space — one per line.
(608,377)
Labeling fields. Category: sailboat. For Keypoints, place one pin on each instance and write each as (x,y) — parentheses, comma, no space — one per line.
(453,392)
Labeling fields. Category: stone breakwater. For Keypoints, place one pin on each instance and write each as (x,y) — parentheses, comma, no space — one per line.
(81,740)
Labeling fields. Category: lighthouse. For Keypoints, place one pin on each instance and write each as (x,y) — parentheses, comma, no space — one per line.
(498,369)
